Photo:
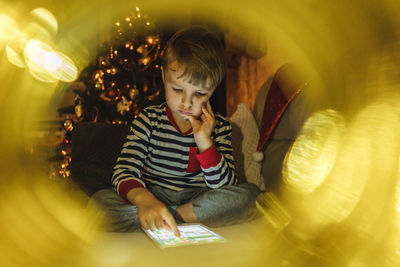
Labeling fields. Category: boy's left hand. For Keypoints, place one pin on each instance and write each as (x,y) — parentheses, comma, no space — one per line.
(203,127)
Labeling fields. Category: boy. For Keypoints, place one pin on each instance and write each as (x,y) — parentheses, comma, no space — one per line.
(176,163)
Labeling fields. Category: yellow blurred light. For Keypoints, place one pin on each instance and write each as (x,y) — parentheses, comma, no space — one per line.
(46,18)
(14,57)
(8,29)
(273,210)
(52,61)
(47,65)
(313,154)
(35,57)
(66,71)
(36,31)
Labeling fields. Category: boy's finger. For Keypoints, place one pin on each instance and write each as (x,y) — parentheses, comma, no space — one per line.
(159,223)
(209,108)
(190,119)
(171,224)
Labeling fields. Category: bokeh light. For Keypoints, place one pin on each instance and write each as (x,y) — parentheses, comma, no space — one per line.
(314,152)
(45,17)
(14,58)
(8,29)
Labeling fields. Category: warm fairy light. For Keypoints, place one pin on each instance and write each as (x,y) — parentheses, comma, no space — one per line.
(137,8)
(145,61)
(128,19)
(150,40)
(130,24)
(117,23)
(147,23)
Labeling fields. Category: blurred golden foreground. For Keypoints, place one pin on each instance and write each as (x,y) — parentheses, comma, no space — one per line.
(339,204)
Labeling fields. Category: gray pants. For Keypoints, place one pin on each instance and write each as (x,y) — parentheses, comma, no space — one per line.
(227,205)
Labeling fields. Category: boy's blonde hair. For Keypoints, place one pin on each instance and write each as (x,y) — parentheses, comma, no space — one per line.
(200,53)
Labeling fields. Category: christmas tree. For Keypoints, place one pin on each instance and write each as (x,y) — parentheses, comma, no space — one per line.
(123,79)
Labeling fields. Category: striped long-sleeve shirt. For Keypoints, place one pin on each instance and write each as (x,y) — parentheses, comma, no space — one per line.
(157,153)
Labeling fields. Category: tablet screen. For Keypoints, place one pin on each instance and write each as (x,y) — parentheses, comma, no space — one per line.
(191,234)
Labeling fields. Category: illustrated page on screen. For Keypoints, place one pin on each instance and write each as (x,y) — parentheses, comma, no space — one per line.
(190,235)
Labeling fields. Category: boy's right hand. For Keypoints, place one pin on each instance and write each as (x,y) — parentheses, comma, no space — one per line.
(152,213)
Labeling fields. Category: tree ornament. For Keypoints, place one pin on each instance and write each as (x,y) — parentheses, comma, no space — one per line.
(68,125)
(113,93)
(133,93)
(124,105)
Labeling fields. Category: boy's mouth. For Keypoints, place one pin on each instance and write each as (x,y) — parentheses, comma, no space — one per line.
(186,113)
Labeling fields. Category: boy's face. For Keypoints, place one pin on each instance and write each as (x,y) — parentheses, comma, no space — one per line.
(183,98)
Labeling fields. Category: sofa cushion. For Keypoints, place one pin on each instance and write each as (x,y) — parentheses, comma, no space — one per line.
(95,149)
(245,137)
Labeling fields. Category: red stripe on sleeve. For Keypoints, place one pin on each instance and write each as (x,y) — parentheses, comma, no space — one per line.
(209,157)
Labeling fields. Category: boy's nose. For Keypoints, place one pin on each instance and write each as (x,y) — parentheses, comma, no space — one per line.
(187,101)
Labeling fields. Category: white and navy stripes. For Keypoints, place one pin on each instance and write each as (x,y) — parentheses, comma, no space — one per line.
(156,153)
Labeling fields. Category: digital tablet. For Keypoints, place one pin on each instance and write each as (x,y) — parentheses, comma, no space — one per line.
(191,234)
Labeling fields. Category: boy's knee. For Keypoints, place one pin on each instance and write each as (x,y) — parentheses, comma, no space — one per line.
(247,192)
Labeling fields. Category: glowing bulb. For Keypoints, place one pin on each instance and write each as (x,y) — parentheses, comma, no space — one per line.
(117,23)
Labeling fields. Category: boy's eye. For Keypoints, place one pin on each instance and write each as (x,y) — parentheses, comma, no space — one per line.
(177,89)
(199,94)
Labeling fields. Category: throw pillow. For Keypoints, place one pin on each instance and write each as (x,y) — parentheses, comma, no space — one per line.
(245,138)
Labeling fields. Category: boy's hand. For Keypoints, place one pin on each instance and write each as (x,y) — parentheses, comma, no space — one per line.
(203,127)
(152,213)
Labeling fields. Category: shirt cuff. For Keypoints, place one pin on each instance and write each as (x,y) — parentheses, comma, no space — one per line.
(127,185)
(209,157)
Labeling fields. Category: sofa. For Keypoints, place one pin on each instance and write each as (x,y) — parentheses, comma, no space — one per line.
(95,148)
